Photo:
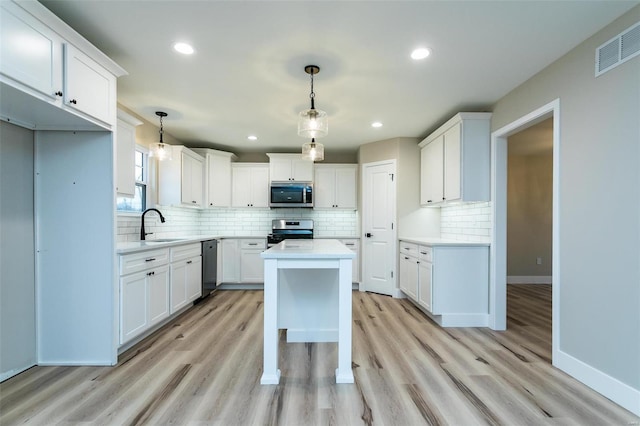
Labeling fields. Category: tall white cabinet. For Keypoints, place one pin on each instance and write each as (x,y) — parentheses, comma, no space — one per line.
(44,87)
(217,172)
(456,160)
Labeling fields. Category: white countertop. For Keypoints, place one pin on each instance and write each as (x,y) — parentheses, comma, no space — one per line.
(134,246)
(434,241)
(309,249)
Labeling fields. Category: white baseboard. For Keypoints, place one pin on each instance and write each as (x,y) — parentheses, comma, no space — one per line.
(9,374)
(533,279)
(612,388)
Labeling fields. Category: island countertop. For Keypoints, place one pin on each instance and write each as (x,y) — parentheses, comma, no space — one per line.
(309,249)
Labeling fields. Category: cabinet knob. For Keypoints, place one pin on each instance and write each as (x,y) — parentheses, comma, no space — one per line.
(194,202)
(73,101)
(189,262)
(58,93)
(429,201)
(150,273)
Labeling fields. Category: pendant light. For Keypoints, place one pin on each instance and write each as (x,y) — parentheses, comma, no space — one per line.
(161,150)
(312,123)
(313,151)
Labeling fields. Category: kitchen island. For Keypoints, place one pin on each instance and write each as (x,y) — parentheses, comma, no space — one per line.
(307,291)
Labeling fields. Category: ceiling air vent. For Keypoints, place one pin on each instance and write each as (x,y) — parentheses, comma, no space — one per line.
(618,50)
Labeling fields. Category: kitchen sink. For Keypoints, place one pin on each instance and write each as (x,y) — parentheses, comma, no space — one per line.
(163,240)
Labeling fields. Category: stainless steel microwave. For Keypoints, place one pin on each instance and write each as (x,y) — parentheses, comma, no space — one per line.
(291,194)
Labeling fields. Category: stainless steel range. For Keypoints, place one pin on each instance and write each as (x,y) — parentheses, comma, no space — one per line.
(285,229)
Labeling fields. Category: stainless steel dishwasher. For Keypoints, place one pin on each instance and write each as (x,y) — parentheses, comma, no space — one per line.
(209,266)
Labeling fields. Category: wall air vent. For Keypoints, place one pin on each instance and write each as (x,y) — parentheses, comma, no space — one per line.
(618,50)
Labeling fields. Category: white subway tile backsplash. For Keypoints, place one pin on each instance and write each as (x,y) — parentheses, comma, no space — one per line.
(466,222)
(235,222)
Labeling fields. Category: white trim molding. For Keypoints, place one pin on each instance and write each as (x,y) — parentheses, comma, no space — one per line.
(529,279)
(612,388)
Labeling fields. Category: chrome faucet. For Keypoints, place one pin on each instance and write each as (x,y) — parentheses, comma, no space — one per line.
(143,234)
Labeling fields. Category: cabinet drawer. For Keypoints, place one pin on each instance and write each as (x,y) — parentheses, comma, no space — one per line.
(136,262)
(258,243)
(425,253)
(352,244)
(409,249)
(186,251)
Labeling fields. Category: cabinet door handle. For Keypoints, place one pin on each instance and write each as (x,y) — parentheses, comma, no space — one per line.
(429,201)
(423,252)
(253,244)
(150,260)
(194,202)
(58,93)
(189,262)
(73,101)
(151,273)
(406,258)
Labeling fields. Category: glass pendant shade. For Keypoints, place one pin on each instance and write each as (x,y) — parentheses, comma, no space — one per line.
(313,151)
(161,151)
(313,123)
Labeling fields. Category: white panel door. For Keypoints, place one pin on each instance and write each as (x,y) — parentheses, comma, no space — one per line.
(133,306)
(240,184)
(178,286)
(260,187)
(378,227)
(193,278)
(251,266)
(424,280)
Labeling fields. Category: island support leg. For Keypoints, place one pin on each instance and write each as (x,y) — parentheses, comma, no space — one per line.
(270,371)
(344,372)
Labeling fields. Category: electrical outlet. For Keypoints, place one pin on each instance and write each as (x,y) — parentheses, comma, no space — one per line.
(538,261)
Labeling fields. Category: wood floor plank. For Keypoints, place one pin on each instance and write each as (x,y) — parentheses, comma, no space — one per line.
(204,368)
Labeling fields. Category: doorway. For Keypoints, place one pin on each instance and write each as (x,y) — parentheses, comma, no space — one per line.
(498,283)
(378,229)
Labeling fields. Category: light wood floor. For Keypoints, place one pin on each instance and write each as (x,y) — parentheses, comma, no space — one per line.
(205,368)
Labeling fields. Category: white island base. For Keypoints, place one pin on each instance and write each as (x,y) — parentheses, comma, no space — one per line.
(307,291)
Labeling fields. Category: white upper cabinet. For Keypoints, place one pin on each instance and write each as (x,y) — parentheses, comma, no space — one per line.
(249,185)
(125,154)
(180,180)
(290,167)
(50,77)
(456,160)
(335,186)
(217,173)
(39,66)
(89,88)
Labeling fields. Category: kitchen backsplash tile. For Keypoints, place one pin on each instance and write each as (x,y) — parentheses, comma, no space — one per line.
(466,222)
(235,222)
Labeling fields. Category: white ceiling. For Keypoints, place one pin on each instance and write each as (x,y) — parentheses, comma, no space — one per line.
(247,75)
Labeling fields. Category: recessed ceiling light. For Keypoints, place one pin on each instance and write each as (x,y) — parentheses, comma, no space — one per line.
(252,138)
(184,48)
(420,53)
(376,124)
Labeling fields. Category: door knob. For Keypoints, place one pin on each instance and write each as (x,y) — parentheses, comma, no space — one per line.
(368,235)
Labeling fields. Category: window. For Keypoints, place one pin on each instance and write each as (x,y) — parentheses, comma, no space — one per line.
(138,203)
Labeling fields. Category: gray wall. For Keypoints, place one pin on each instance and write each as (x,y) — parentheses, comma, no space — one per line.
(17,280)
(599,201)
(529,201)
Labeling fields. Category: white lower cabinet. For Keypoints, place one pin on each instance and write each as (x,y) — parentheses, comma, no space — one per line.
(156,283)
(450,282)
(144,301)
(186,275)
(241,261)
